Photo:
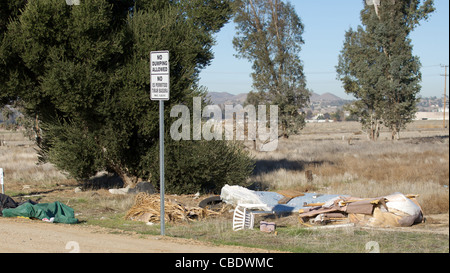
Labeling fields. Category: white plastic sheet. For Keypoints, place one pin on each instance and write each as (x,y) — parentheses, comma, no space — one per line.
(236,195)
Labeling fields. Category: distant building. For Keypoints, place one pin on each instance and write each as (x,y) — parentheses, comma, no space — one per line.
(441,109)
(432,115)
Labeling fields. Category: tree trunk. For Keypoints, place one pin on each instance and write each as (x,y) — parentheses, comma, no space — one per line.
(374,131)
(377,130)
(395,134)
(128,181)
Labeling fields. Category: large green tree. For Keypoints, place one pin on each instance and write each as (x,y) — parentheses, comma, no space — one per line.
(83,72)
(269,34)
(377,66)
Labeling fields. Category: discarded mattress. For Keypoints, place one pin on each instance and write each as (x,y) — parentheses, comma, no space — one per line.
(396,210)
(236,195)
(60,213)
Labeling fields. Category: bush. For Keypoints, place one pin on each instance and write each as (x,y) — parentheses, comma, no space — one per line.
(202,166)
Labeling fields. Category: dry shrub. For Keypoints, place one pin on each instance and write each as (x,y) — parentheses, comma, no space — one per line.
(436,203)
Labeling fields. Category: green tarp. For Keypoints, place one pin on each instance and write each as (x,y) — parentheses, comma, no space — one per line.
(62,213)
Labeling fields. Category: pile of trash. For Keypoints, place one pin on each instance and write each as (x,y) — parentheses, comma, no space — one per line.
(147,209)
(396,210)
(278,202)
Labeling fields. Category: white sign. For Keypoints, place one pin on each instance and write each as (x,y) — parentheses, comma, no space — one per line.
(159,75)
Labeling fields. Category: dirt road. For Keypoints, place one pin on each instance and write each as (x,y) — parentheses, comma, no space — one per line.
(28,236)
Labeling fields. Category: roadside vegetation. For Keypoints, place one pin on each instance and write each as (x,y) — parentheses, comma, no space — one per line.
(417,164)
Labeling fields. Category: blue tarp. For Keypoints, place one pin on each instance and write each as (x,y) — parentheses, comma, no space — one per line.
(272,198)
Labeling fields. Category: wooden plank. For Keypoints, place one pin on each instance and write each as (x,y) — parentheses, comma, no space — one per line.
(314,205)
(290,193)
(284,200)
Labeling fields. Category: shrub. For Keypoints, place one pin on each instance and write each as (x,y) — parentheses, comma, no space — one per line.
(202,166)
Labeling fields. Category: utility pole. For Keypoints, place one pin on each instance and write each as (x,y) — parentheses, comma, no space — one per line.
(445,90)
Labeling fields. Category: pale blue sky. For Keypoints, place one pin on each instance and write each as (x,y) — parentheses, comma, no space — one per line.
(326,22)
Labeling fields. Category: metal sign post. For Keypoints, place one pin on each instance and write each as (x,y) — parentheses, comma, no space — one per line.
(160,90)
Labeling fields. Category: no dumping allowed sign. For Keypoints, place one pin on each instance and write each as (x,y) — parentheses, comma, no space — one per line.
(159,75)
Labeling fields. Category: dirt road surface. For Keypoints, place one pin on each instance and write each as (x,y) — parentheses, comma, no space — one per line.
(28,236)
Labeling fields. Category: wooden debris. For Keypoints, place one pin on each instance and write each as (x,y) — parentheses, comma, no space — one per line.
(288,195)
(284,200)
(314,205)
(302,222)
(147,209)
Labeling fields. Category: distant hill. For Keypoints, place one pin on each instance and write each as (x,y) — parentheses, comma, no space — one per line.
(327,97)
(227,98)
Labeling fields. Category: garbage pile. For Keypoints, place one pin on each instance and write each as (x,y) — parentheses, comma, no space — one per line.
(147,209)
(278,202)
(396,210)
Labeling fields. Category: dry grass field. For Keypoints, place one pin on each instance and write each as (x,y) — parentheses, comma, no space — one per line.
(339,156)
(341,159)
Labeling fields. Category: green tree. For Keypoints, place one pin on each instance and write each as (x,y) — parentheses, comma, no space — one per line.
(9,10)
(83,72)
(377,67)
(338,115)
(202,166)
(269,34)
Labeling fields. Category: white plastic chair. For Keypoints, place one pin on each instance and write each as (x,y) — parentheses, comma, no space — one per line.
(244,218)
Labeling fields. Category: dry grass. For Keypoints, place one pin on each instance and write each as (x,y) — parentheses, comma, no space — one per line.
(19,159)
(417,164)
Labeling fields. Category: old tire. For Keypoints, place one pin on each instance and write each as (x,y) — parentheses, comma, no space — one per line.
(210,202)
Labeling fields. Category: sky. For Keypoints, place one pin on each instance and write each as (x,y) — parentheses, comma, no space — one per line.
(326,22)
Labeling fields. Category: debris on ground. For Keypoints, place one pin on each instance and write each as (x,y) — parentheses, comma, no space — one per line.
(140,187)
(119,191)
(49,212)
(147,209)
(278,202)
(267,227)
(396,210)
(210,202)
